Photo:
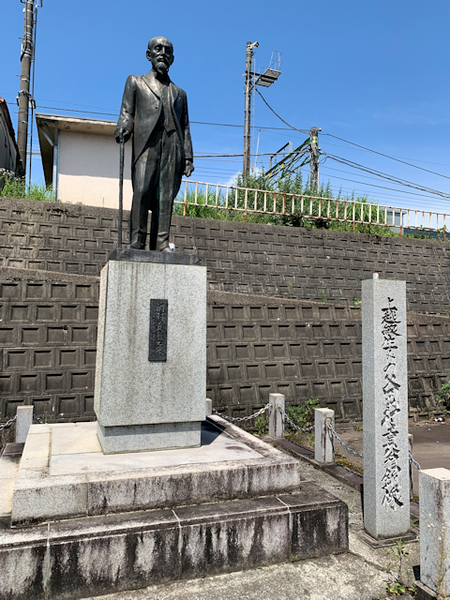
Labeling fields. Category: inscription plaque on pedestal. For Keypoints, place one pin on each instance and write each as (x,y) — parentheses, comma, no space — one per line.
(157,351)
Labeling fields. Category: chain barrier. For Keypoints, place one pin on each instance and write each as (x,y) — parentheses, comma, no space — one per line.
(38,420)
(253,416)
(294,425)
(8,423)
(342,443)
(414,463)
(284,415)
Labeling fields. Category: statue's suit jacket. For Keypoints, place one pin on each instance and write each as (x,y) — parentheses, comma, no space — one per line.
(141,109)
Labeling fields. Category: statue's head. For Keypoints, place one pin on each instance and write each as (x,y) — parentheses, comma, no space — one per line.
(160,54)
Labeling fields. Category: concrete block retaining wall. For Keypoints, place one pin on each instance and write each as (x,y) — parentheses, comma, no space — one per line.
(259,340)
(48,339)
(259,345)
(317,265)
(256,346)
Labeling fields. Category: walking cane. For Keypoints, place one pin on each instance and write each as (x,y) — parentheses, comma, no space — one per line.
(121,190)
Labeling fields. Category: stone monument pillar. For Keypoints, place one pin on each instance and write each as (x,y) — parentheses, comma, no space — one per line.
(385,408)
(150,382)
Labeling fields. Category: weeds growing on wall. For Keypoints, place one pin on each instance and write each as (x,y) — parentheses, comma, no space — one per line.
(443,397)
(15,187)
(261,426)
(303,414)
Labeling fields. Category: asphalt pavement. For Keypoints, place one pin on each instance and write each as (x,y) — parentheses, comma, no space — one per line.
(431,445)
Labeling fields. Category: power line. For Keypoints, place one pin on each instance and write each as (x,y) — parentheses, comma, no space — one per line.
(241,126)
(290,128)
(278,116)
(388,177)
(108,114)
(386,156)
(378,186)
(430,162)
(367,177)
(234,155)
(352,143)
(88,112)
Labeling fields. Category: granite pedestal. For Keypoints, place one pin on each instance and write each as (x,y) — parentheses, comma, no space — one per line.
(150,383)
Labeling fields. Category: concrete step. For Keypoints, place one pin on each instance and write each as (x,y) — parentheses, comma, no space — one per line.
(97,555)
(64,474)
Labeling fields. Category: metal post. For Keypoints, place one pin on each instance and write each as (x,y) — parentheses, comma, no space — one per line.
(122,160)
(24,93)
(314,158)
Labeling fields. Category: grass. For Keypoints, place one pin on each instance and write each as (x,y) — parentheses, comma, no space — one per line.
(15,187)
(302,415)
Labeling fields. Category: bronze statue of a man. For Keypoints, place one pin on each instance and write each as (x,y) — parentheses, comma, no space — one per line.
(155,111)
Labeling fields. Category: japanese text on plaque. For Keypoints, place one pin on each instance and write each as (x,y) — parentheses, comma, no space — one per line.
(392,494)
(158,331)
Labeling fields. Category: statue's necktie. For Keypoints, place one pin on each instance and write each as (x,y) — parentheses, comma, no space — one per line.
(169,123)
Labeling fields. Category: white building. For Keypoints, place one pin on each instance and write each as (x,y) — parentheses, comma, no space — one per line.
(80,158)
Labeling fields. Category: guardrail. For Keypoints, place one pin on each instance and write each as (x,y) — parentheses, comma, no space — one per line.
(266,202)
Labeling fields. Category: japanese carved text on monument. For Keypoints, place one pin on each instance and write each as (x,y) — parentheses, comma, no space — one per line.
(158,331)
(392,496)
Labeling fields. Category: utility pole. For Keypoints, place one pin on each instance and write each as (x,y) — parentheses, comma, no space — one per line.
(24,93)
(265,79)
(248,106)
(314,158)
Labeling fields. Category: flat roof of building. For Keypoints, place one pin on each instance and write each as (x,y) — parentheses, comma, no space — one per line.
(49,124)
(79,124)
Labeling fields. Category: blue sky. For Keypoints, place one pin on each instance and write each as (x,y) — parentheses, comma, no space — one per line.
(371,72)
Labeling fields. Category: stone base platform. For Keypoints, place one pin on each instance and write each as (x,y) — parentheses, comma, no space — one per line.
(101,523)
(64,474)
(98,555)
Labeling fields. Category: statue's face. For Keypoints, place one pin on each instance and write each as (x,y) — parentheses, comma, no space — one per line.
(160,54)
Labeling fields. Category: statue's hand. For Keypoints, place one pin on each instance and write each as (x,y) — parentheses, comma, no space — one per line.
(122,134)
(189,168)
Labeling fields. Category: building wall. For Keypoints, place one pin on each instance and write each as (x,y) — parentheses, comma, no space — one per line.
(89,170)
